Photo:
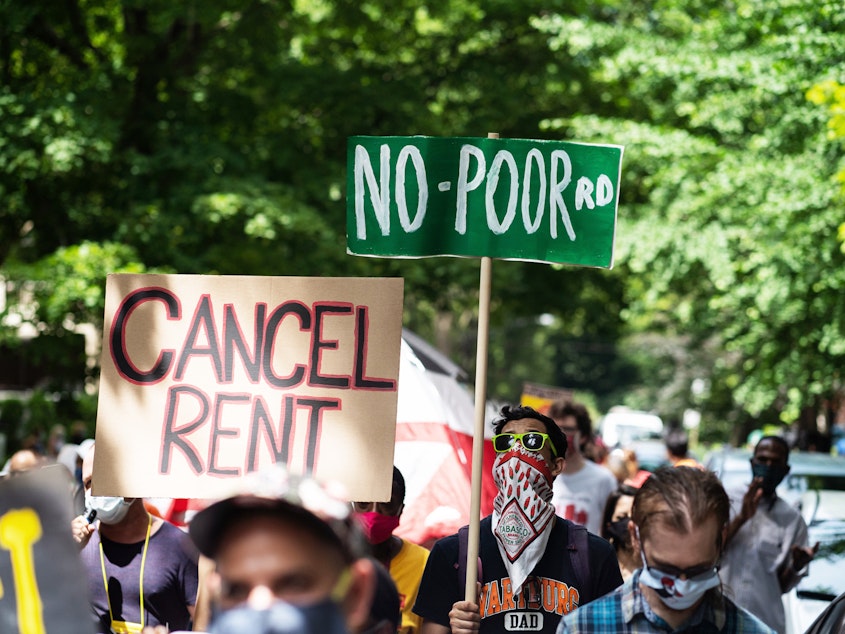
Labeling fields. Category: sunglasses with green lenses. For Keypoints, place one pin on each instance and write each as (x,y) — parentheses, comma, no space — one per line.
(531,440)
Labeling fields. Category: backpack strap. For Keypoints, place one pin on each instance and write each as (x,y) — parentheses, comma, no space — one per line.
(461,565)
(579,556)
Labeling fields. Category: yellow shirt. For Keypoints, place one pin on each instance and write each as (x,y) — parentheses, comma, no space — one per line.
(406,569)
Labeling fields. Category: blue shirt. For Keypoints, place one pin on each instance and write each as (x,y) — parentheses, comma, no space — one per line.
(626,610)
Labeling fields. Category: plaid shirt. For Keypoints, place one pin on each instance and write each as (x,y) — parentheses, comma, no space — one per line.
(625,610)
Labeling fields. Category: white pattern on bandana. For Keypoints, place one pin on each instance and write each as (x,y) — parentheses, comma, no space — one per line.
(522,511)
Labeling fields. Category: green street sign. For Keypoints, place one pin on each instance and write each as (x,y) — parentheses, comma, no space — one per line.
(518,199)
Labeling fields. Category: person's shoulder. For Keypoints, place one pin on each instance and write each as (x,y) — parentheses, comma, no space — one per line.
(564,529)
(598,473)
(743,621)
(607,474)
(599,543)
(785,513)
(603,614)
(171,530)
(172,536)
(413,550)
(447,543)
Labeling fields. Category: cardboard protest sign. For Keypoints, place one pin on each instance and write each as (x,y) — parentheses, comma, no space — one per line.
(546,201)
(40,569)
(206,378)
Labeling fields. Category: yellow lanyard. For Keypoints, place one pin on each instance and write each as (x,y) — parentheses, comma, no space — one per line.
(143,561)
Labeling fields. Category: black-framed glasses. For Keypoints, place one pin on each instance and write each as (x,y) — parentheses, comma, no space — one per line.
(668,570)
(530,440)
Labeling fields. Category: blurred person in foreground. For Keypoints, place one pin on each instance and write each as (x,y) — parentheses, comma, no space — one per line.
(404,560)
(582,487)
(140,570)
(678,526)
(288,559)
(767,550)
(533,565)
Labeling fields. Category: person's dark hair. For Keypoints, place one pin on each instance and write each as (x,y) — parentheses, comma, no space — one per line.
(778,440)
(677,443)
(517,412)
(680,498)
(610,509)
(386,605)
(399,484)
(565,407)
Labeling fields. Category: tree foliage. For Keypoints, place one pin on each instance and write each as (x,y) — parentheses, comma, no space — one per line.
(210,138)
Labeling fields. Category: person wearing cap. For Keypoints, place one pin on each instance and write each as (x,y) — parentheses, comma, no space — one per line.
(140,570)
(287,559)
(404,560)
(534,566)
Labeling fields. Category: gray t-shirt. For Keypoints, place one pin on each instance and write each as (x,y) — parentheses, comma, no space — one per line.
(170,580)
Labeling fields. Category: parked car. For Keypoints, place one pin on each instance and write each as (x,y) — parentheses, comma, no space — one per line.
(816,485)
(651,454)
(832,620)
(622,426)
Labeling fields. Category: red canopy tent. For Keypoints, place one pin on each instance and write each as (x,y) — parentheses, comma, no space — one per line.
(434,428)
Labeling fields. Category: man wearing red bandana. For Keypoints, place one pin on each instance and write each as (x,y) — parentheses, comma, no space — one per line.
(527,579)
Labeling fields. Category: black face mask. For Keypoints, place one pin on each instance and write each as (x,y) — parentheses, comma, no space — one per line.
(618,532)
(772,476)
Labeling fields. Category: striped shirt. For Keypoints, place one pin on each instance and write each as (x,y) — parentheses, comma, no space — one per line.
(626,610)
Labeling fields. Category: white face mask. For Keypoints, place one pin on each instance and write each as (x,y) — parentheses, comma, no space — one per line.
(677,593)
(110,510)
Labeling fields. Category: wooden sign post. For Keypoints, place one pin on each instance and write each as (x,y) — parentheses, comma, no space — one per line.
(518,199)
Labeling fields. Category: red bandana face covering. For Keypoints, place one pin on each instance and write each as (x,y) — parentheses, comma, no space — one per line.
(523,511)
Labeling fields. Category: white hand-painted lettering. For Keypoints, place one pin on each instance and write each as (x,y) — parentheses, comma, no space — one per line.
(422,188)
(379,194)
(498,228)
(549,182)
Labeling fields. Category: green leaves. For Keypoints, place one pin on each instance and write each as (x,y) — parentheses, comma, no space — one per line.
(210,138)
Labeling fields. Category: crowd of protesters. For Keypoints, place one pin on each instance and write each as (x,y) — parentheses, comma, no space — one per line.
(581,539)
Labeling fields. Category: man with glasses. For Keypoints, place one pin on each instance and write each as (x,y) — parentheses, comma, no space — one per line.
(529,571)
(582,488)
(767,550)
(678,526)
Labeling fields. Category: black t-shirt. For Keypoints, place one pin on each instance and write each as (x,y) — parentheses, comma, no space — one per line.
(549,592)
(170,579)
